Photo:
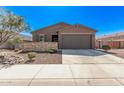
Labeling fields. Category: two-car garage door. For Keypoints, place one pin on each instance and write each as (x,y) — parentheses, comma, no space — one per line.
(76,41)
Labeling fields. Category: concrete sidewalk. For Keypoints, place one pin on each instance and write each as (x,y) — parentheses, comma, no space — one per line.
(64,74)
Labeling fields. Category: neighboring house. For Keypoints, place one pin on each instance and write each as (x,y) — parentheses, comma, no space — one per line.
(114,40)
(68,36)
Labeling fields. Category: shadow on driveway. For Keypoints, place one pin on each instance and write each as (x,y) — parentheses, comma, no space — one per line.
(84,52)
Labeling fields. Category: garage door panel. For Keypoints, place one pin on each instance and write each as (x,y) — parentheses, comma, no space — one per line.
(76,41)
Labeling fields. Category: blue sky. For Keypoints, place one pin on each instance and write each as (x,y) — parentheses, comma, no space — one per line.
(105,19)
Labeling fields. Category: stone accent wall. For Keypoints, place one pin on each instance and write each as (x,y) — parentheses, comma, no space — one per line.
(38,46)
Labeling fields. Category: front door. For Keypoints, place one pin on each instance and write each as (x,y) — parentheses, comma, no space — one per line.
(54,38)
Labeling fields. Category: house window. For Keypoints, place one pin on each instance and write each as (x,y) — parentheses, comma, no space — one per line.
(41,37)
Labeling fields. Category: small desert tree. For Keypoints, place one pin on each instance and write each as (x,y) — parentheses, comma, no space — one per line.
(10,25)
(13,43)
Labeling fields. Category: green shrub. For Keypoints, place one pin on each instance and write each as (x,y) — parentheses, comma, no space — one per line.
(51,50)
(31,56)
(106,47)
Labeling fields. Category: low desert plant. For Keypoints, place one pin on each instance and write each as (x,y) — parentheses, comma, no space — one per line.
(51,50)
(31,56)
(106,47)
(16,50)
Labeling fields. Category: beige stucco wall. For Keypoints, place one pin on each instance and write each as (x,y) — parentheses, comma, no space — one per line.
(93,41)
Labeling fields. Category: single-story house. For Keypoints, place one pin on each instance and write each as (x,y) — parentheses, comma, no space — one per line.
(113,40)
(68,36)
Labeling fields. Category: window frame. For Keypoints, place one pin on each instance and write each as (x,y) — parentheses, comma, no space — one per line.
(42,37)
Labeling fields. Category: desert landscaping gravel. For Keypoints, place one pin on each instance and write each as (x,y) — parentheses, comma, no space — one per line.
(41,58)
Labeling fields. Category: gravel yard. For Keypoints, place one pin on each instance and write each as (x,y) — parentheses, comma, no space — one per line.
(41,58)
(44,58)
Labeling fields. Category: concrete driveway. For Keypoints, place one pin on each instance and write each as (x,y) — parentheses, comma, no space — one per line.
(89,56)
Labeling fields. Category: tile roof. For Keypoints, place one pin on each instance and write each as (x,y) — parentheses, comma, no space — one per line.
(61,24)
